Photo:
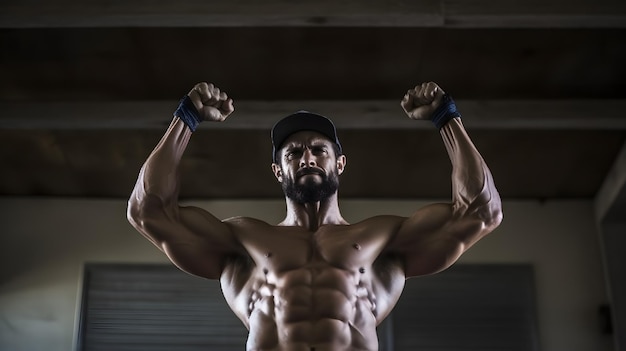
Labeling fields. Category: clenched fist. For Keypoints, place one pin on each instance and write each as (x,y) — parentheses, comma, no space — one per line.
(211,103)
(422,101)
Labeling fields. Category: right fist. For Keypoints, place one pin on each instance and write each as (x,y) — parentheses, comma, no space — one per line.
(211,103)
(422,101)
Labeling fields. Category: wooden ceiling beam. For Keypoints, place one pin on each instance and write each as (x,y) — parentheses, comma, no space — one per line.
(535,13)
(372,114)
(369,13)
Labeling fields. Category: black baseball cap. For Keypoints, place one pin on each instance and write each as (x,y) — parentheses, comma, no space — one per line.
(299,121)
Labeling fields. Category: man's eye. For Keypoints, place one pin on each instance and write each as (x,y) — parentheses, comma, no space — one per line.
(293,153)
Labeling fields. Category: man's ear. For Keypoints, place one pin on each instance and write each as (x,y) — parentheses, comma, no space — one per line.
(278,172)
(341,163)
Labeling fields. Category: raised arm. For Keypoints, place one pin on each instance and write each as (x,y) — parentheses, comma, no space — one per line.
(435,236)
(193,239)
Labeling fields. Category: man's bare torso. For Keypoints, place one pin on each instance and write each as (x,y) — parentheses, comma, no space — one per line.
(327,289)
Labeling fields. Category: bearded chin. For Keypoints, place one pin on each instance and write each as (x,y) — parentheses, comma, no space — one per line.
(311,192)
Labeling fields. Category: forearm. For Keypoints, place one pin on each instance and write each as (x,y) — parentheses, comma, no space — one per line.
(159,177)
(473,189)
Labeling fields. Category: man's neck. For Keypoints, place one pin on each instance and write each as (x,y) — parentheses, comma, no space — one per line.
(313,215)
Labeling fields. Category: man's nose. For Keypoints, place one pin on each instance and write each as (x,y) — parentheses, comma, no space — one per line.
(307,159)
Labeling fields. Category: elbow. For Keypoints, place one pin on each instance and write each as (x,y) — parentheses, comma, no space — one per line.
(490,205)
(490,211)
(140,213)
(495,219)
(486,214)
(492,215)
(144,220)
(135,214)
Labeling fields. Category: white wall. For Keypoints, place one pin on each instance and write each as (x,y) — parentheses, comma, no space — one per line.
(44,243)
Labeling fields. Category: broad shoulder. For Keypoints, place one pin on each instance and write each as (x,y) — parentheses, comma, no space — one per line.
(241,221)
(389,221)
(382,225)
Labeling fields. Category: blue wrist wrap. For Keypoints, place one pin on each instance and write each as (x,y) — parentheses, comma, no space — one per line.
(188,113)
(445,112)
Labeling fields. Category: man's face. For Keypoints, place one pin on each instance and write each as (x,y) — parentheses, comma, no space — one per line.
(309,169)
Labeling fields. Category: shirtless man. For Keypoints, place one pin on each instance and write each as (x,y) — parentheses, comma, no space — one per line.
(313,281)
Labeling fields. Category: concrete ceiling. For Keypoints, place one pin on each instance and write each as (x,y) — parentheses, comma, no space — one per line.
(86,91)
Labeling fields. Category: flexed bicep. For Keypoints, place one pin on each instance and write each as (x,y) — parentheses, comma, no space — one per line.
(435,236)
(426,241)
(193,239)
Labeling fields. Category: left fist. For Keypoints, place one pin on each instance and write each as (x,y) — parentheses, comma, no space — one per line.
(420,102)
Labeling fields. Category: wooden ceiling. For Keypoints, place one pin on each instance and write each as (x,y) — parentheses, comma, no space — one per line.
(87,89)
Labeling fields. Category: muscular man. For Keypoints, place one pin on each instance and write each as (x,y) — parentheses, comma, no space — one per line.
(313,281)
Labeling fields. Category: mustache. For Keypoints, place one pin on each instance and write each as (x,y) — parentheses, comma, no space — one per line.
(310,170)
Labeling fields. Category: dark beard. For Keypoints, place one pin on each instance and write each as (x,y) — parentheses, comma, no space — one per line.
(311,192)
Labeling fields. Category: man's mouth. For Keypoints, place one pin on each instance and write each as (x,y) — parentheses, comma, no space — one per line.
(309,171)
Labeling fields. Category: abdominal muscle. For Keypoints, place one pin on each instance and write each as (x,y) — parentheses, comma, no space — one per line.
(316,307)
